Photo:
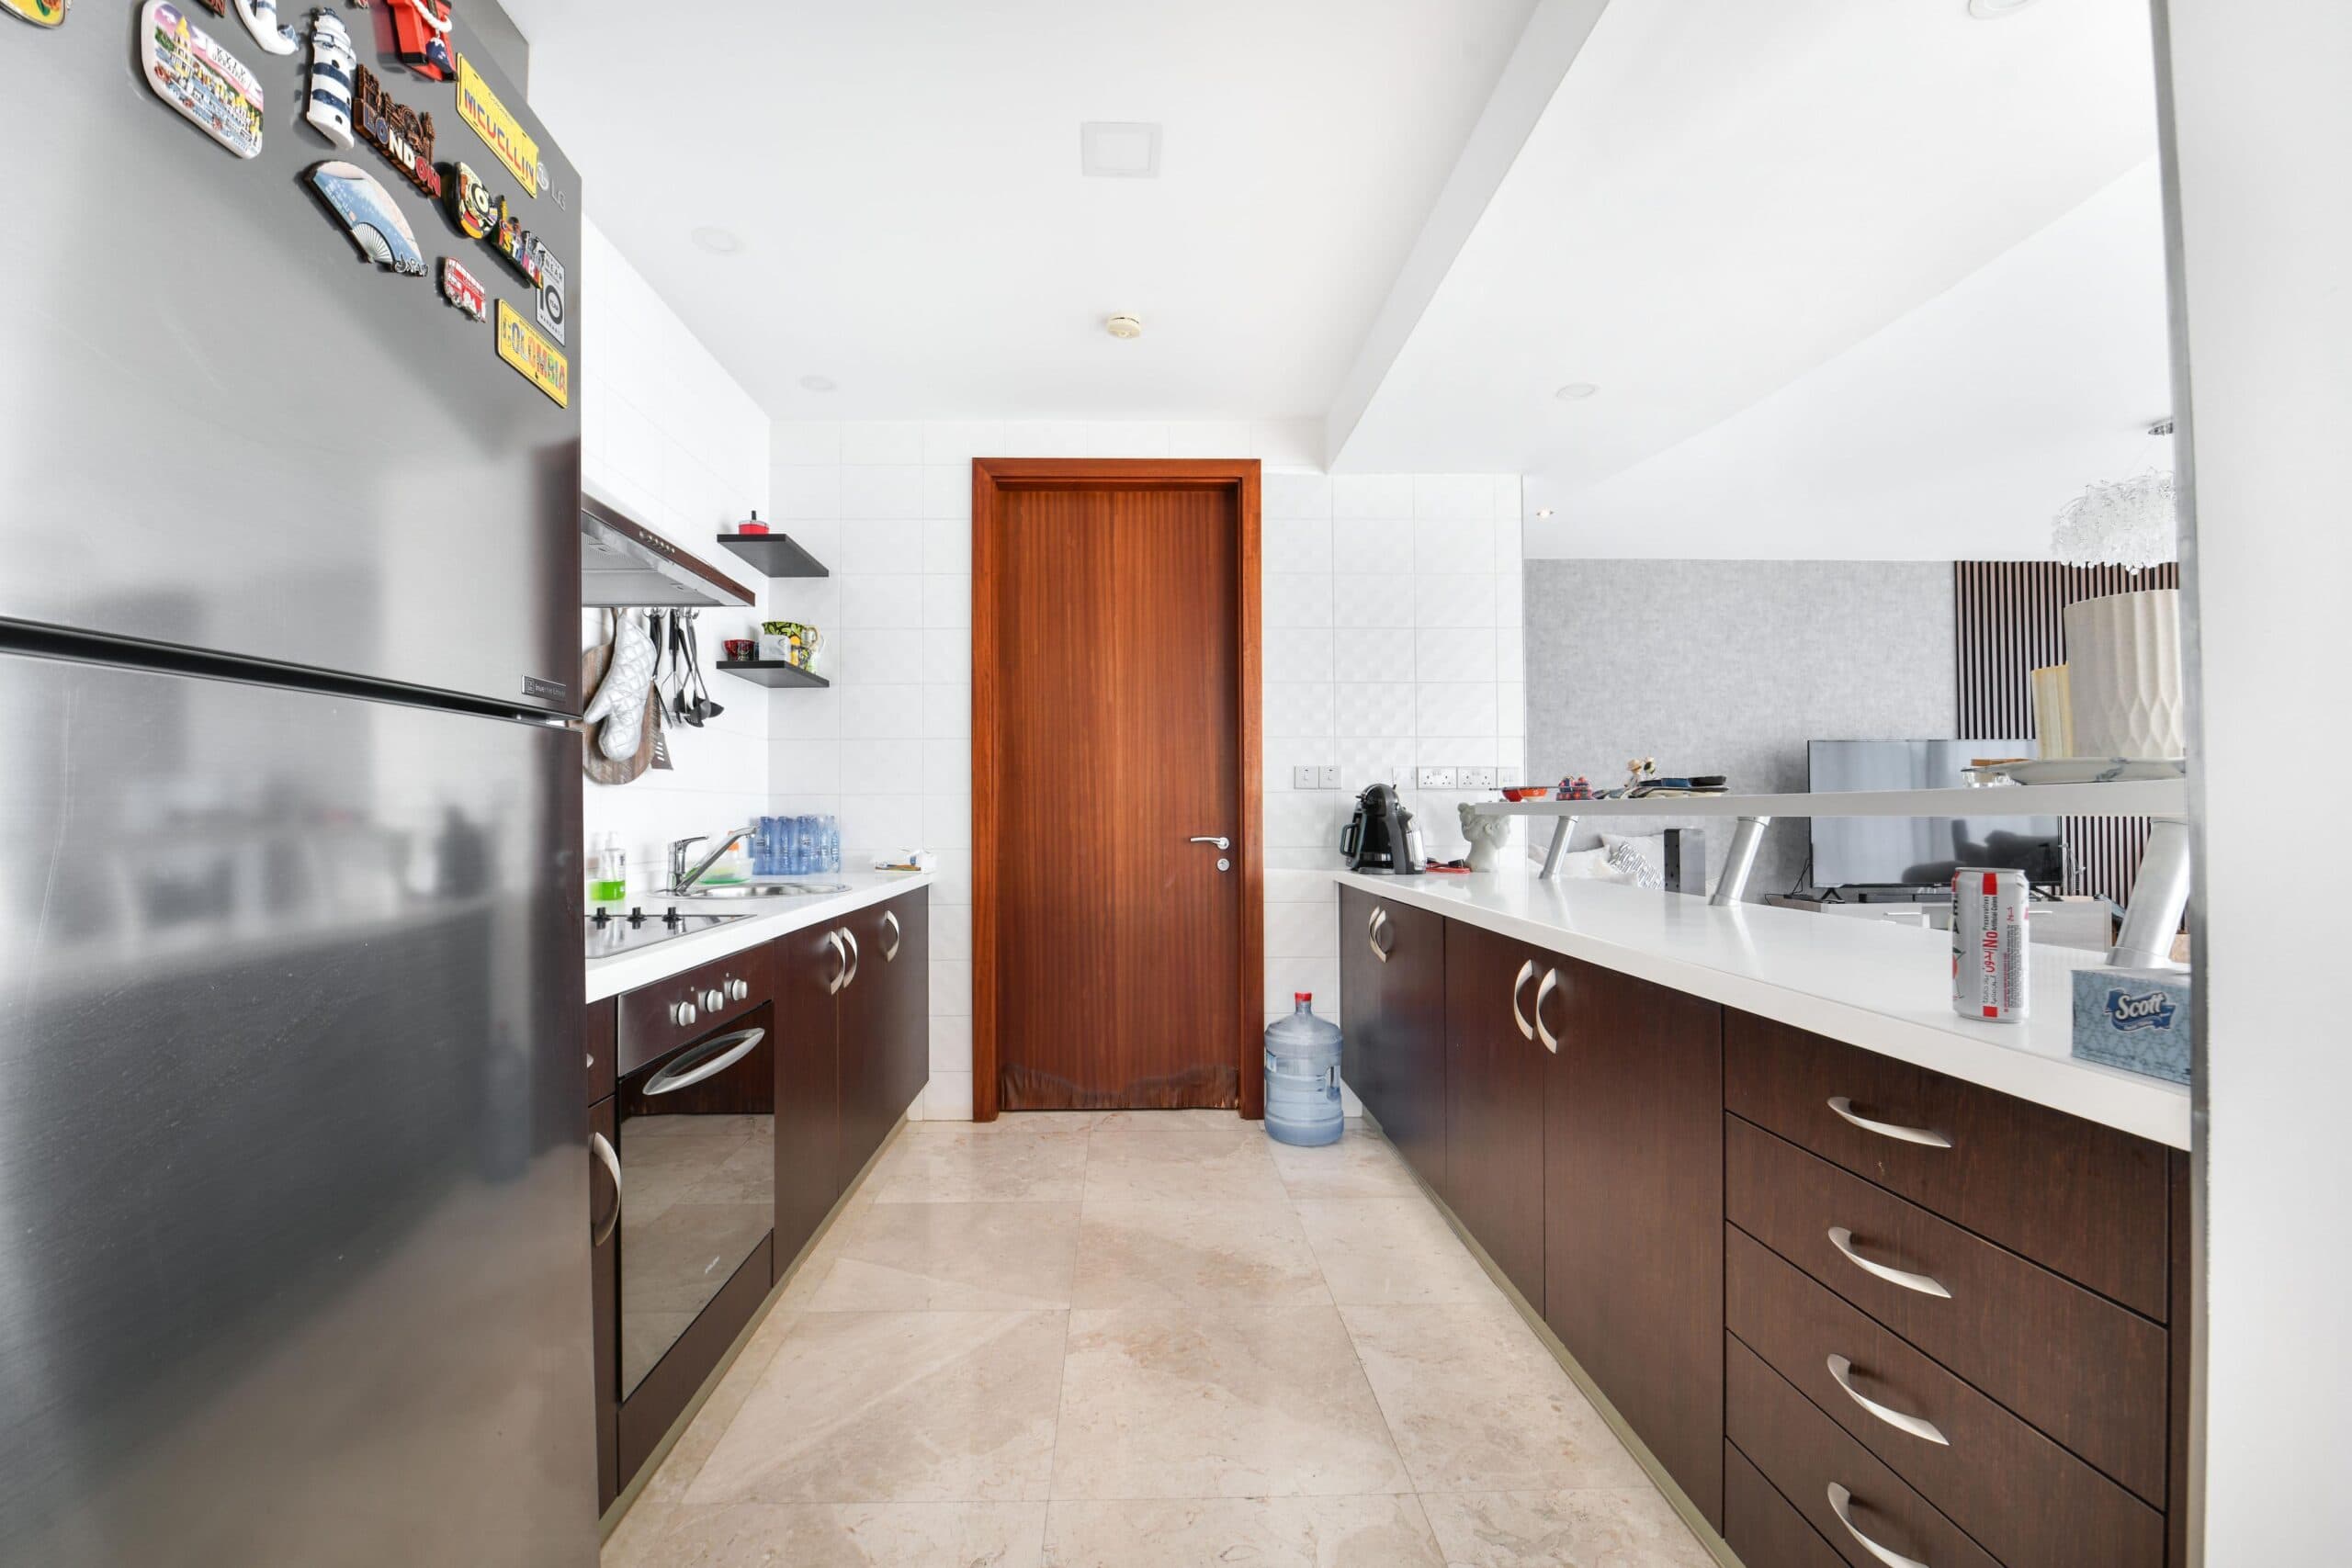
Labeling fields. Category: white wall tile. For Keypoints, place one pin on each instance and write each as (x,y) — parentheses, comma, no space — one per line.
(1463,600)
(876,655)
(881,713)
(947,600)
(1297,545)
(889,491)
(948,546)
(879,547)
(1295,599)
(946,712)
(1454,545)
(947,821)
(1296,653)
(947,489)
(1455,654)
(1296,495)
(1372,495)
(951,988)
(960,441)
(891,602)
(802,491)
(946,655)
(891,765)
(867,441)
(948,1098)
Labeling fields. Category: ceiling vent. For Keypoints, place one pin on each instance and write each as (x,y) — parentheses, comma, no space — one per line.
(1119,149)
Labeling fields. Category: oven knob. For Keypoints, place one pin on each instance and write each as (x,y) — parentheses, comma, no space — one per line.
(737,990)
(682,1013)
(671,917)
(713,1000)
(600,916)
(636,916)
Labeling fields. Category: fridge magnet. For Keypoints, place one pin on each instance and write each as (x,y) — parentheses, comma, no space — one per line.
(472,206)
(217,7)
(327,95)
(463,289)
(375,219)
(404,136)
(209,86)
(260,17)
(517,244)
(551,291)
(500,130)
(40,12)
(421,38)
(539,361)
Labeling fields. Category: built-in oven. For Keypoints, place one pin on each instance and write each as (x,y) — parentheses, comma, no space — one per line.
(697,1139)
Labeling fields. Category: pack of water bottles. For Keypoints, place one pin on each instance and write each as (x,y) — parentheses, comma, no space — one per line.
(796,846)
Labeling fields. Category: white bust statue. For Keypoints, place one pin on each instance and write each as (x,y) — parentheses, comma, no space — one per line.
(1488,836)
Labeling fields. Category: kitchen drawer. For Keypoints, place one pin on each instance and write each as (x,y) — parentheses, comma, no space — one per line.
(2083,1370)
(2027,1501)
(648,1026)
(1761,1525)
(599,1032)
(1805,1454)
(2083,1200)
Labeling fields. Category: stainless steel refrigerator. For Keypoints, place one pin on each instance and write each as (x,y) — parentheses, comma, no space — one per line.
(294,1196)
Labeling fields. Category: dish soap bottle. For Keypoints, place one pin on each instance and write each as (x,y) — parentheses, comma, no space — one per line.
(608,872)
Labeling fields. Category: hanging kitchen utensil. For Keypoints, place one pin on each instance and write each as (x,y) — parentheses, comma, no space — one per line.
(667,679)
(681,662)
(703,704)
(594,664)
(620,701)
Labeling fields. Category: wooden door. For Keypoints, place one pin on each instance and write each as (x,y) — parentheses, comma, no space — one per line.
(1494,1100)
(807,1088)
(1114,720)
(1634,1209)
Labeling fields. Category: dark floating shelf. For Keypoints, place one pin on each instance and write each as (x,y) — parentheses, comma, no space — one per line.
(774,554)
(771,672)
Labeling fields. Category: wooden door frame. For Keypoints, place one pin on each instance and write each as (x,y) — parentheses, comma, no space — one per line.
(991,477)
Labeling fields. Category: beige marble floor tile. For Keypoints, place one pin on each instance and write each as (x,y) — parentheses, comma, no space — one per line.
(952,1256)
(1199,1255)
(1478,1404)
(1186,1402)
(890,1407)
(1391,1250)
(833,1535)
(1051,1121)
(1614,1528)
(1183,1120)
(685,1461)
(1192,1166)
(1381,1531)
(966,1162)
(1360,1164)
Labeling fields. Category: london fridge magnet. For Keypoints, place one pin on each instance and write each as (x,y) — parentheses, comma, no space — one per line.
(401,134)
(191,71)
(40,12)
(377,224)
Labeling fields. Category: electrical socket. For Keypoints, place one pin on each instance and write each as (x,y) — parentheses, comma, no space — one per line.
(1476,778)
(1329,775)
(1507,778)
(1304,777)
(1436,778)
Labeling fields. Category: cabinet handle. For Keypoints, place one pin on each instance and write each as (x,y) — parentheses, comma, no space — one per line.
(1843,1240)
(1841,1503)
(1842,1371)
(1920,1135)
(715,1058)
(890,924)
(601,1146)
(1526,973)
(1372,933)
(840,976)
(1551,983)
(850,937)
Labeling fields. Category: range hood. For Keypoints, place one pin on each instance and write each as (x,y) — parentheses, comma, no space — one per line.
(623,562)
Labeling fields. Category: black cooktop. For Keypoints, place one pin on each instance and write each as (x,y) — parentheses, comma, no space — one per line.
(612,930)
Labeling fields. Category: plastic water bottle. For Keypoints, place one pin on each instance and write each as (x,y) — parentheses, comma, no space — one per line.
(1303,1077)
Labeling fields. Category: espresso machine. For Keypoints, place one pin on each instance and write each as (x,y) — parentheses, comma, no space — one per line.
(1381,839)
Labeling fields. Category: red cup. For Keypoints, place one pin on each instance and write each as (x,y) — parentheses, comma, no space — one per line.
(740,648)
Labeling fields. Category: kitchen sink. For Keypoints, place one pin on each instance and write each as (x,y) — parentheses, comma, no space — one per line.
(765,890)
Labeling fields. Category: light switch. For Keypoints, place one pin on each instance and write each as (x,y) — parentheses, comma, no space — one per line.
(1304,777)
(1506,778)
(1329,778)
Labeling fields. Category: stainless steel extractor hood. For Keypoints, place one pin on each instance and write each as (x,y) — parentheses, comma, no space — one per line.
(625,562)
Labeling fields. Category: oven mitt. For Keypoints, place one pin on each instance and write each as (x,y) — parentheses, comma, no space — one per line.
(620,698)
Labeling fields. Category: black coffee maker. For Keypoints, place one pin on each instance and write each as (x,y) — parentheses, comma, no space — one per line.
(1381,839)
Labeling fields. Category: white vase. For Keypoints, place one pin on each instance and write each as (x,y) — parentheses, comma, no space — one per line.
(2123,675)
(2053,712)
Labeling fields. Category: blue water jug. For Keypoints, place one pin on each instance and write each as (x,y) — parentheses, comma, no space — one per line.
(1303,1077)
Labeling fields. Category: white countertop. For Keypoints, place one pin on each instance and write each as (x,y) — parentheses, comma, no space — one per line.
(1883,987)
(768,919)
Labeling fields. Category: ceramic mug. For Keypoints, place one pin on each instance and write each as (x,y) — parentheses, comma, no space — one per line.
(739,650)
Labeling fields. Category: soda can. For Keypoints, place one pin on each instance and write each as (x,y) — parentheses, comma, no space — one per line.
(1989,950)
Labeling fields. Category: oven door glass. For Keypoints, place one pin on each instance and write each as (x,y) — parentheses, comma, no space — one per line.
(697,1141)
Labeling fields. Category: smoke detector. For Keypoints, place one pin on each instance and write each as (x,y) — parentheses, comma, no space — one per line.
(1124,326)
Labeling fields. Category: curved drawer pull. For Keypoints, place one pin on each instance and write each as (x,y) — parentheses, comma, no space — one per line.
(890,918)
(1841,1503)
(1526,973)
(1927,1431)
(841,956)
(1895,1130)
(1551,983)
(715,1058)
(602,1147)
(850,937)
(1843,1240)
(1372,932)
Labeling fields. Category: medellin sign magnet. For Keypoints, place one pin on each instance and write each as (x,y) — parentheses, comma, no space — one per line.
(500,130)
(209,86)
(375,219)
(40,12)
(541,363)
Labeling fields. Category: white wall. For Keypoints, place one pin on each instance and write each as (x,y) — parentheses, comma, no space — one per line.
(1392,638)
(2264,132)
(667,437)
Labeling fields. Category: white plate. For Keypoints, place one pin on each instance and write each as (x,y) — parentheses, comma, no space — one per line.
(2091,770)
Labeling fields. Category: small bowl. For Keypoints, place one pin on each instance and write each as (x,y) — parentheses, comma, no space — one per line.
(1527,792)
(739,650)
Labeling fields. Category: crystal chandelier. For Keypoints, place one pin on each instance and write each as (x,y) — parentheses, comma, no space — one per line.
(2131,522)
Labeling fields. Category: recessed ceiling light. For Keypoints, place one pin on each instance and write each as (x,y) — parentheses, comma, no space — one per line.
(1988,10)
(1543,511)
(818,383)
(1119,149)
(1576,391)
(1124,326)
(718,241)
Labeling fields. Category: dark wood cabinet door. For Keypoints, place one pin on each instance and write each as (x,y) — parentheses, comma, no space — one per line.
(1362,1003)
(807,1088)
(1411,1037)
(604,1262)
(1633,1209)
(885,1022)
(1495,1072)
(902,932)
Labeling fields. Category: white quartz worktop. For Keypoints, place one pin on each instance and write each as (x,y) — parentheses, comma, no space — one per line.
(767,919)
(1882,987)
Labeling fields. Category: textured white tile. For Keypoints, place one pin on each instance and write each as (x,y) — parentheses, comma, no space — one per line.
(1456,601)
(880,548)
(891,765)
(1445,547)
(1386,598)
(947,654)
(1296,495)
(947,765)
(1303,819)
(1296,599)
(946,600)
(805,714)
(874,656)
(948,490)
(951,988)
(1297,545)
(951,931)
(953,871)
(1372,495)
(947,1097)
(948,546)
(805,767)
(881,713)
(870,821)
(1373,544)
(960,441)
(1287,886)
(1510,654)
(1301,930)
(1454,496)
(1296,653)
(1300,708)
(1510,708)
(873,441)
(947,821)
(1373,653)
(791,441)
(881,602)
(946,712)
(890,491)
(951,1044)
(1455,654)
(1317,976)
(1368,757)
(1383,707)
(807,492)
(1454,751)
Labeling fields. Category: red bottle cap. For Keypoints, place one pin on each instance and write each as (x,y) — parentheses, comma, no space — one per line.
(1302,996)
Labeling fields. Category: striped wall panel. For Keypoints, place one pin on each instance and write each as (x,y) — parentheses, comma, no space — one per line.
(2007,623)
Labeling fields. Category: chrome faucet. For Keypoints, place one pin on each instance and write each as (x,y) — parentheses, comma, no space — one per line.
(682,879)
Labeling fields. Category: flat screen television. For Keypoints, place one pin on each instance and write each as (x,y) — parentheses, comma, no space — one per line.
(1891,851)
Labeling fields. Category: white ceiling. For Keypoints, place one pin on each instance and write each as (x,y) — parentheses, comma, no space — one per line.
(1724,196)
(906,178)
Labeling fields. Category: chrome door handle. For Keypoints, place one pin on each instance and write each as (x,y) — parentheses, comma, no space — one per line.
(850,937)
(890,923)
(715,1058)
(1551,983)
(1526,973)
(1843,1240)
(1842,1371)
(1220,841)
(1895,1130)
(1372,933)
(601,1146)
(840,976)
(1841,1503)
(684,1014)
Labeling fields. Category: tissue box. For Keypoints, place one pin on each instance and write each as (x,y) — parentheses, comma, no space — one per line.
(2134,1019)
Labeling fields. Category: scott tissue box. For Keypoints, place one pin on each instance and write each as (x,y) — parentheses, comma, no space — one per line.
(2134,1019)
